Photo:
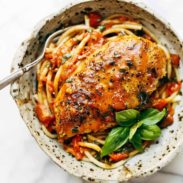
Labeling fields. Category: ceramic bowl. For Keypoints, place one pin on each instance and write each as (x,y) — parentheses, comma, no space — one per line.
(159,153)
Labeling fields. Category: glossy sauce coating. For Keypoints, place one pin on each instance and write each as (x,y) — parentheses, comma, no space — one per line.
(122,74)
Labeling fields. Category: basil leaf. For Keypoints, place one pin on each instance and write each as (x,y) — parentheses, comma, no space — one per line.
(151,132)
(134,128)
(149,117)
(137,141)
(148,113)
(127,117)
(153,119)
(116,139)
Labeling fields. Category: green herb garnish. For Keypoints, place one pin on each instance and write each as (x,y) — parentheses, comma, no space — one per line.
(101,28)
(126,117)
(116,55)
(134,127)
(69,80)
(137,141)
(116,139)
(151,132)
(74,130)
(65,57)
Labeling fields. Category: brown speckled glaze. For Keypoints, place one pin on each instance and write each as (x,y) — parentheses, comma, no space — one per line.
(155,157)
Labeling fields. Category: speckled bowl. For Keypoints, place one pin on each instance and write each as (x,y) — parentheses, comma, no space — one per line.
(155,157)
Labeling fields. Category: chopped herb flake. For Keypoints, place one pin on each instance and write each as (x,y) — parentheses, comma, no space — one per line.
(116,55)
(65,57)
(129,63)
(143,97)
(69,80)
(122,70)
(75,130)
(101,28)
(63,60)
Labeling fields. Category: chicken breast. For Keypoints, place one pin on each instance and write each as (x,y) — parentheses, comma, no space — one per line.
(121,75)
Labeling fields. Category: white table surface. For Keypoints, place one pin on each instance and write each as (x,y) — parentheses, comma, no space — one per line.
(21,160)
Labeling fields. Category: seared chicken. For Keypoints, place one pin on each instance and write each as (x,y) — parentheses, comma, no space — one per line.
(122,74)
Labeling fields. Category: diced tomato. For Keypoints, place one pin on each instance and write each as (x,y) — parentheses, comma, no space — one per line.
(44,115)
(167,121)
(175,59)
(78,151)
(119,156)
(169,118)
(76,140)
(95,19)
(108,25)
(160,104)
(123,18)
(173,87)
(51,127)
(48,56)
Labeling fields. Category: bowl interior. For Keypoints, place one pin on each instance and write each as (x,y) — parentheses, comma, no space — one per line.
(157,156)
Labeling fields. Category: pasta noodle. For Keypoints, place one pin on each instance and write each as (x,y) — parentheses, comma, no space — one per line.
(68,51)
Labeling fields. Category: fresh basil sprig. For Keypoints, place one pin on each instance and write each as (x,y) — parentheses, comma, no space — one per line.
(151,132)
(127,117)
(148,113)
(147,117)
(134,126)
(116,139)
(137,141)
(155,118)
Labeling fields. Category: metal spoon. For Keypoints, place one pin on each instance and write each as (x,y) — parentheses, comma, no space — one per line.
(18,73)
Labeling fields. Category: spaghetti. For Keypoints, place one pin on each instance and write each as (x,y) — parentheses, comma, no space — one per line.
(61,60)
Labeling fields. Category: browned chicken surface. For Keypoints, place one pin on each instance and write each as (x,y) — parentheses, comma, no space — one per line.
(122,74)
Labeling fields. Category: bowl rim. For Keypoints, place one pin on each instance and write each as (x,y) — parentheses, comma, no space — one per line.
(24,45)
